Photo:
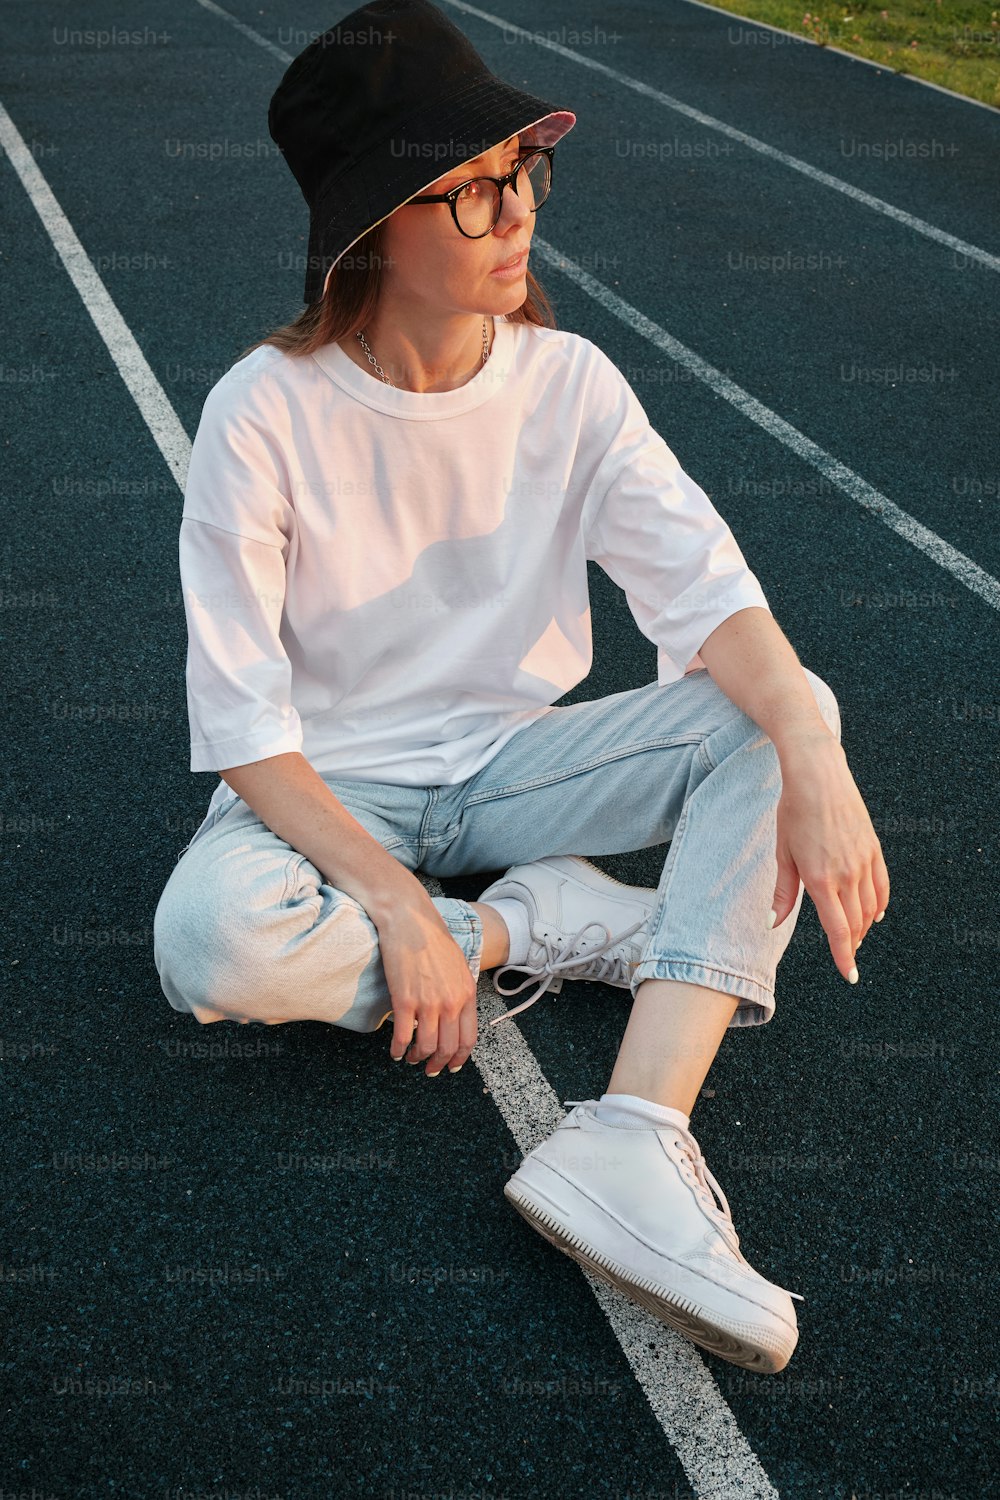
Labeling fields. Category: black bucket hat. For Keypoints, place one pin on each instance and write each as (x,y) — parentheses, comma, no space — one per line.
(378,108)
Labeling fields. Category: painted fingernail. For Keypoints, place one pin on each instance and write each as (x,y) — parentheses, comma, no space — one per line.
(852,977)
(434,1075)
(456,1070)
(397,1059)
(774,918)
(879,916)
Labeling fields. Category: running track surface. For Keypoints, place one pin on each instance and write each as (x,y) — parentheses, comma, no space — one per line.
(249,1261)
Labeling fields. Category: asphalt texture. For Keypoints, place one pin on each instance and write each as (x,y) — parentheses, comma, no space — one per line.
(189,1307)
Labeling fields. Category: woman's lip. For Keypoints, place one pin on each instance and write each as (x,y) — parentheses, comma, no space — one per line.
(511,265)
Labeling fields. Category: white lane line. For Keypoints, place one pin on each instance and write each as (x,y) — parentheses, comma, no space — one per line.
(680,1390)
(146,390)
(921,226)
(795,36)
(248,31)
(908,527)
(683,1396)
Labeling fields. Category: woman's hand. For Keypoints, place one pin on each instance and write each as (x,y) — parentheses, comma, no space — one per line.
(826,840)
(431,985)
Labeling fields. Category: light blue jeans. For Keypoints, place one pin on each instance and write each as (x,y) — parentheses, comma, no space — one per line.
(247,929)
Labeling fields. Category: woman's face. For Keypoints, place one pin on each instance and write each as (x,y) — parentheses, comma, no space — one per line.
(434,265)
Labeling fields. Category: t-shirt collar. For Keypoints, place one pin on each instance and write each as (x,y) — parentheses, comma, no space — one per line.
(426,405)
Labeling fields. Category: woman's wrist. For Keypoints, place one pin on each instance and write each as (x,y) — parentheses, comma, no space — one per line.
(808,748)
(396,897)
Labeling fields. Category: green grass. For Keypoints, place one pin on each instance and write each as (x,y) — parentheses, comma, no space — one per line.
(948,42)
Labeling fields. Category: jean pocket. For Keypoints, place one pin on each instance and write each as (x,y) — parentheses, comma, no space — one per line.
(227,806)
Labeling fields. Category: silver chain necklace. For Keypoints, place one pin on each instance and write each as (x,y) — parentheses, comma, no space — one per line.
(378,368)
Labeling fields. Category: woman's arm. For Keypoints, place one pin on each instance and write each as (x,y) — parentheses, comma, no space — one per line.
(825,836)
(294,801)
(755,665)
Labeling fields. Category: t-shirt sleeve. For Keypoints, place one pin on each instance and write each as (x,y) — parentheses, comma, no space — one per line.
(235,531)
(655,532)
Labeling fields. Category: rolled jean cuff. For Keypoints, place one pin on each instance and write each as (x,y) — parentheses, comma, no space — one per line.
(756,1001)
(466,927)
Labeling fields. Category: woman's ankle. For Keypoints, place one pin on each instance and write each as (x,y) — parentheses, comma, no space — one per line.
(496,938)
(672,1037)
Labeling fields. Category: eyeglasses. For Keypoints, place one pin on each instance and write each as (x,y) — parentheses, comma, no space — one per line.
(475,205)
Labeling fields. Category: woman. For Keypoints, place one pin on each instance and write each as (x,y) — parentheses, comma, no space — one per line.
(388,516)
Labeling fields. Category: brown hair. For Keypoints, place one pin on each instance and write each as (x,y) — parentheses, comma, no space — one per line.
(352,295)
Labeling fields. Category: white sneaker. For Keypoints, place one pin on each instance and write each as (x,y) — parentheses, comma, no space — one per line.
(566,896)
(635,1205)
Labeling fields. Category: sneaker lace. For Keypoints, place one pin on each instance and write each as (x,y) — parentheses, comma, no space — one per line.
(706,1185)
(562,959)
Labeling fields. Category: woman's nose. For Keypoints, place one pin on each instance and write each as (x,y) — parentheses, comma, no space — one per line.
(514,208)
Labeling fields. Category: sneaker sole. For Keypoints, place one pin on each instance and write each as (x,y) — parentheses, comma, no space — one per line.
(758,1350)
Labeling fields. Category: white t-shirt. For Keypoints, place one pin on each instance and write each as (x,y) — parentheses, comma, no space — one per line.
(395,582)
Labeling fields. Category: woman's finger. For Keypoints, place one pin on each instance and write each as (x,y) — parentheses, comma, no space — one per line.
(447,1044)
(869,902)
(424,1043)
(786,889)
(467,1030)
(404,1019)
(835,922)
(880,875)
(850,903)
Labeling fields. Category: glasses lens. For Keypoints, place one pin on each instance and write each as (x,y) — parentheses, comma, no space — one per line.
(533,180)
(476,206)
